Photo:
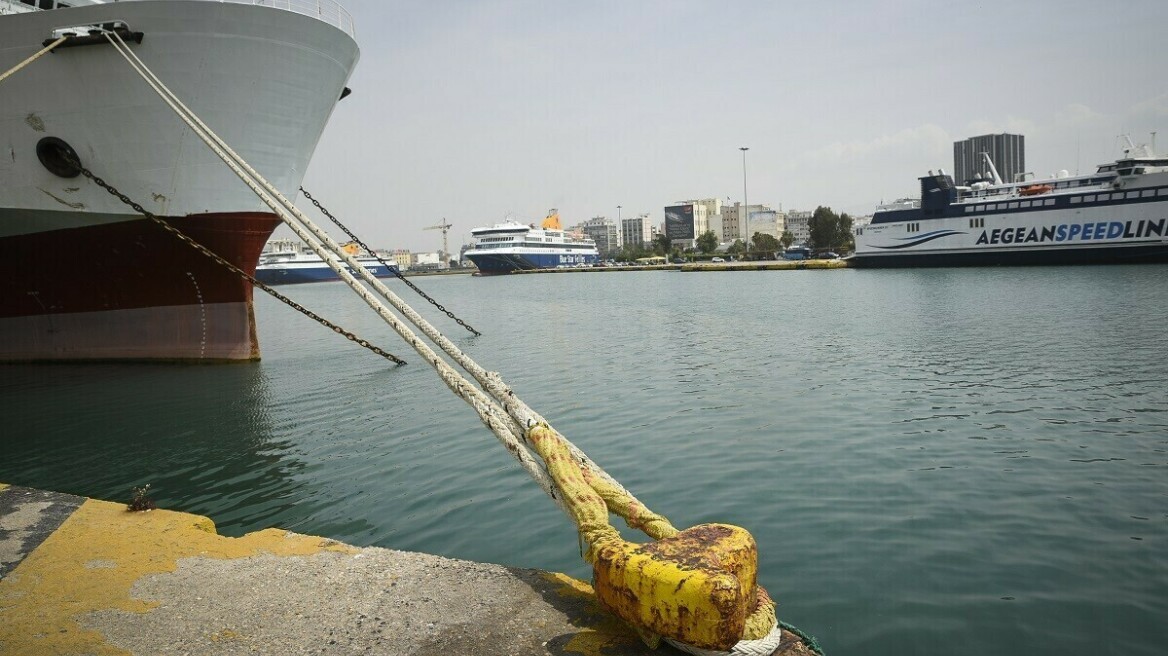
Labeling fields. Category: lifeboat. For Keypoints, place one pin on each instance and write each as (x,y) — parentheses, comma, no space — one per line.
(1035,190)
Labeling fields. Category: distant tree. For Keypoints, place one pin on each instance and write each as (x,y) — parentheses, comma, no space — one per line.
(662,245)
(825,229)
(831,232)
(708,242)
(737,248)
(787,239)
(632,252)
(847,236)
(764,243)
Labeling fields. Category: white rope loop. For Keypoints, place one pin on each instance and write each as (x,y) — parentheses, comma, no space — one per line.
(764,646)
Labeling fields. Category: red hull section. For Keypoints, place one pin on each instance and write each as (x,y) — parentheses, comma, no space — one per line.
(131,290)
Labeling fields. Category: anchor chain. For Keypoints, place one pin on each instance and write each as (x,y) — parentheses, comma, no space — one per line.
(240,272)
(394,269)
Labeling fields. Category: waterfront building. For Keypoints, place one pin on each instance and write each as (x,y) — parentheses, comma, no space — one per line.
(736,224)
(766,221)
(605,232)
(798,223)
(637,231)
(1007,151)
(686,221)
(402,258)
(425,261)
(760,218)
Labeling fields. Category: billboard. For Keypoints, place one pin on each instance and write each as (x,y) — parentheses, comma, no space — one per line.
(679,222)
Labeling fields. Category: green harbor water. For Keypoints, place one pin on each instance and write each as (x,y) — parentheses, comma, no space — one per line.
(936,461)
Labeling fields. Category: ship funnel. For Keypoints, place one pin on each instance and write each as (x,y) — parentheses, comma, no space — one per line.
(552,222)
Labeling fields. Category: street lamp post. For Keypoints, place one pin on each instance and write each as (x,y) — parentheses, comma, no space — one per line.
(742,219)
(620,230)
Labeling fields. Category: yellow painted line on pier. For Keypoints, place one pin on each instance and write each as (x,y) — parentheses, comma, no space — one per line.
(91,563)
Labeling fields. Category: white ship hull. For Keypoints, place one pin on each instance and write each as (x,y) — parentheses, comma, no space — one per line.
(264,79)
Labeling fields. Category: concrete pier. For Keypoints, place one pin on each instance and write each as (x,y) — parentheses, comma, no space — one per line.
(83,576)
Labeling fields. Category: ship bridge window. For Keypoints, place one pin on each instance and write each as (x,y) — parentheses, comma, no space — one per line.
(1162,192)
(1076,199)
(1048,201)
(1148,192)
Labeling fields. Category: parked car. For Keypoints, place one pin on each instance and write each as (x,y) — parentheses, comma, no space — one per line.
(717,259)
(828,255)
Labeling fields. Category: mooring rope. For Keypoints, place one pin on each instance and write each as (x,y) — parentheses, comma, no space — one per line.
(33,58)
(505,414)
(344,228)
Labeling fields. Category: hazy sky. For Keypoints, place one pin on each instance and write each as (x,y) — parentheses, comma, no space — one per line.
(475,111)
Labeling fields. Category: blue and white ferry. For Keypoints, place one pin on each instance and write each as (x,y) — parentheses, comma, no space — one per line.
(511,246)
(1117,214)
(287,263)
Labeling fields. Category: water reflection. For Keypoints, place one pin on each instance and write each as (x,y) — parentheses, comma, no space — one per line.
(201,436)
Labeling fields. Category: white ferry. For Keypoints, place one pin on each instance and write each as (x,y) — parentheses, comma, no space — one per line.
(287,263)
(1117,214)
(511,246)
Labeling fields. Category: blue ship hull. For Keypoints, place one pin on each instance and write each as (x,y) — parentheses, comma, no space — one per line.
(322,273)
(508,262)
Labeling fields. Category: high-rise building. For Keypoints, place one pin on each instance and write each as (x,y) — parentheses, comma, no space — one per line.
(637,231)
(799,225)
(686,221)
(605,232)
(1007,151)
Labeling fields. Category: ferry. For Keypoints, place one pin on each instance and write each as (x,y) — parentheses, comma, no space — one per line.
(265,76)
(289,264)
(1117,214)
(511,246)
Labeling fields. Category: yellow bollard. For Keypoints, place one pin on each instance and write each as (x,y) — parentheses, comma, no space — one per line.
(696,587)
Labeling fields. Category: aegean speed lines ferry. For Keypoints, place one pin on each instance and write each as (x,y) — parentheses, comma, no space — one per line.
(1117,214)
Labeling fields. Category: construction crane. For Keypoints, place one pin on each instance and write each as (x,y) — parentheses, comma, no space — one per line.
(444,262)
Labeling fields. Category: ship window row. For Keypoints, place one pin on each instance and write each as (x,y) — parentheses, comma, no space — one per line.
(482,245)
(1012,205)
(46,4)
(977,223)
(913,227)
(1143,193)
